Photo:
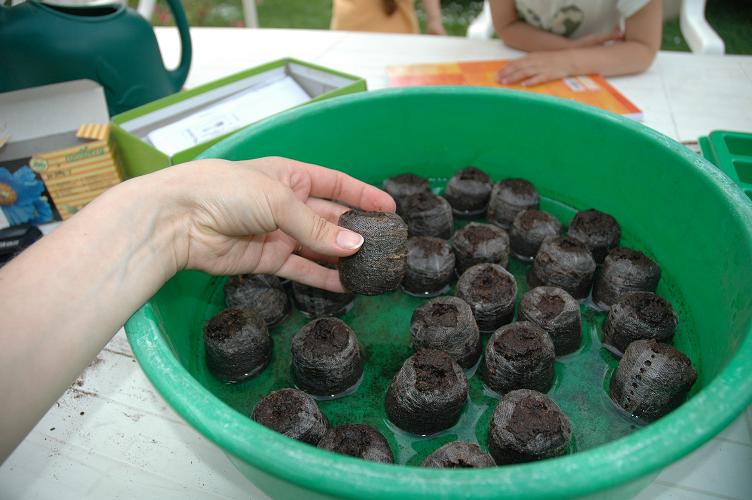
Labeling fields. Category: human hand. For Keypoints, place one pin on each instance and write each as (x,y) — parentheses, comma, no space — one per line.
(436,28)
(251,217)
(536,68)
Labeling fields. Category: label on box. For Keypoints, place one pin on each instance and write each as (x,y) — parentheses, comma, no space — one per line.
(77,175)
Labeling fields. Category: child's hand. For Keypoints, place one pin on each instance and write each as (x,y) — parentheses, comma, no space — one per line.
(436,28)
(535,68)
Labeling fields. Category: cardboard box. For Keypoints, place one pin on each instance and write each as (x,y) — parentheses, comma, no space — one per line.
(136,131)
(41,125)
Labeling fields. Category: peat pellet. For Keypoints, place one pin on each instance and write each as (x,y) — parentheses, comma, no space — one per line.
(326,358)
(529,229)
(427,215)
(652,379)
(430,266)
(557,313)
(510,197)
(624,270)
(477,243)
(459,455)
(293,413)
(490,290)
(447,324)
(565,263)
(237,344)
(527,426)
(359,441)
(403,185)
(639,316)
(379,265)
(597,230)
(263,292)
(428,393)
(519,356)
(468,191)
(318,303)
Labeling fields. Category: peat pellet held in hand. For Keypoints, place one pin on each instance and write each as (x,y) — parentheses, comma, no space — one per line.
(428,393)
(379,265)
(293,413)
(237,344)
(326,358)
(526,426)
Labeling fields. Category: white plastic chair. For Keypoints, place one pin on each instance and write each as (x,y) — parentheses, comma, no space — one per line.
(700,36)
(146,9)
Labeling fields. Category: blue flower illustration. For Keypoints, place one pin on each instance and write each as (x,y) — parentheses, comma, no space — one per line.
(21,197)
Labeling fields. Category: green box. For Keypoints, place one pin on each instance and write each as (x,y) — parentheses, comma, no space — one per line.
(129,129)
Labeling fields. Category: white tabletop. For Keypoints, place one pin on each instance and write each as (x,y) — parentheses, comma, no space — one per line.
(111,435)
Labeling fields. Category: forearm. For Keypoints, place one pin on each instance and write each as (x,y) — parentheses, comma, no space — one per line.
(522,36)
(618,58)
(64,298)
(433,11)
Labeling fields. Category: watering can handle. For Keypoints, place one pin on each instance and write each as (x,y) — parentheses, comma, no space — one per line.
(179,74)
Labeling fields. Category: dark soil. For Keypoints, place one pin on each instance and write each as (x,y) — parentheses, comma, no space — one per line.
(433,370)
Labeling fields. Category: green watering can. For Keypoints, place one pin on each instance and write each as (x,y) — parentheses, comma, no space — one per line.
(45,42)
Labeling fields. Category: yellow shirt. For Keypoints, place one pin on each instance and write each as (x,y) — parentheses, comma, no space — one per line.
(369,15)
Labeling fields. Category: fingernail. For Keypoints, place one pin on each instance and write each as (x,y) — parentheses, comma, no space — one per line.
(349,240)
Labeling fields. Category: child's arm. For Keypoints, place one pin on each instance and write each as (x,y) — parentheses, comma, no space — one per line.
(433,17)
(642,39)
(517,34)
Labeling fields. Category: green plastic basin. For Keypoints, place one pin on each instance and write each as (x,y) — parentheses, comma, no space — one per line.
(689,216)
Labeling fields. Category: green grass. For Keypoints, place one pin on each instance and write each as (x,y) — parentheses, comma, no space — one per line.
(732,19)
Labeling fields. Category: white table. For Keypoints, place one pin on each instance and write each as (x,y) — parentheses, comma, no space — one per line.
(111,435)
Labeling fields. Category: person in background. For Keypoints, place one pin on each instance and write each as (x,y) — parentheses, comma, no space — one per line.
(63,298)
(385,16)
(577,37)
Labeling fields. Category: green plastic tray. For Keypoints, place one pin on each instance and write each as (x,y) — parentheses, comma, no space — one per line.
(676,206)
(732,153)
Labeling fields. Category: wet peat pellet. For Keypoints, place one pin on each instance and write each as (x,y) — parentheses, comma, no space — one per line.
(639,316)
(597,230)
(527,426)
(651,380)
(565,263)
(624,270)
(529,229)
(403,185)
(510,197)
(263,292)
(430,266)
(317,303)
(490,290)
(359,441)
(519,356)
(237,344)
(428,393)
(293,413)
(326,358)
(459,455)
(447,324)
(478,243)
(379,265)
(427,215)
(468,191)
(557,313)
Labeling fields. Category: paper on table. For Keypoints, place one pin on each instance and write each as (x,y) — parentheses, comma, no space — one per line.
(228,115)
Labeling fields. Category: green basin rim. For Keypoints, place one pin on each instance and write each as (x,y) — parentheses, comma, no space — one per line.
(603,467)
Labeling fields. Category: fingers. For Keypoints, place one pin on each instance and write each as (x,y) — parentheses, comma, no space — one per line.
(310,229)
(536,80)
(514,74)
(335,185)
(309,273)
(326,209)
